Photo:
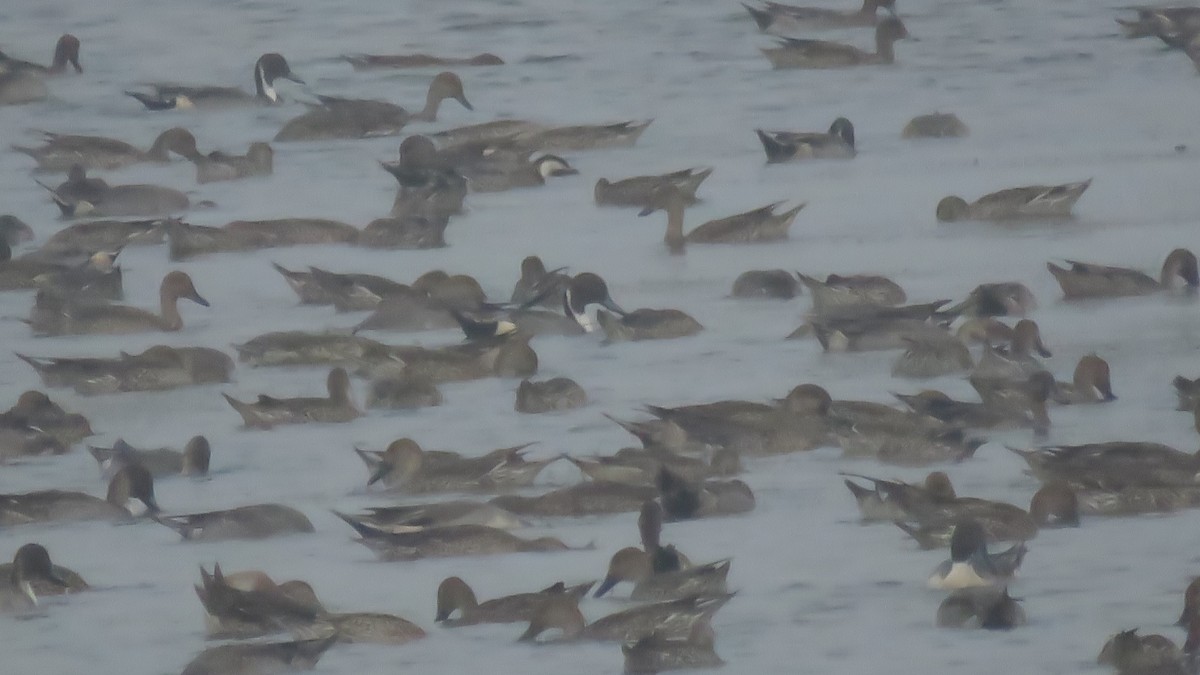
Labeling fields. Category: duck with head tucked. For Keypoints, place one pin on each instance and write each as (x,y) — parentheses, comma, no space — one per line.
(800,53)
(758,225)
(447,541)
(673,619)
(267,69)
(157,368)
(193,460)
(778,18)
(81,196)
(785,146)
(35,410)
(455,597)
(21,81)
(55,315)
(269,411)
(655,653)
(222,166)
(1032,202)
(257,521)
(60,152)
(361,118)
(1088,280)
(405,466)
(130,493)
(639,191)
(935,125)
(259,658)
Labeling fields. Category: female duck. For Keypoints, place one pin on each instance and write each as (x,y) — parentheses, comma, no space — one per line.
(60,152)
(759,225)
(455,596)
(777,18)
(674,619)
(798,53)
(193,460)
(269,411)
(56,316)
(267,69)
(1034,201)
(82,196)
(220,166)
(785,146)
(639,191)
(634,565)
(21,81)
(258,521)
(1087,280)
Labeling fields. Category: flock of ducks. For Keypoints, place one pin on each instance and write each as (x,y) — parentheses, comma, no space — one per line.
(689,456)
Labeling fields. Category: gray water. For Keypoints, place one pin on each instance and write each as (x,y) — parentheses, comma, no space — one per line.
(1051,95)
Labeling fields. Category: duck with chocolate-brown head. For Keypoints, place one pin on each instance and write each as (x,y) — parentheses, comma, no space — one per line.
(61,316)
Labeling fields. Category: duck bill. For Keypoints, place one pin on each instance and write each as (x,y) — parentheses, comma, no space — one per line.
(198,299)
(465,103)
(294,78)
(605,586)
(383,470)
(27,591)
(645,211)
(566,171)
(612,306)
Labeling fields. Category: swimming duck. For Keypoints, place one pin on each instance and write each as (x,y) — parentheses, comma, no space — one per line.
(345,291)
(130,490)
(583,137)
(66,52)
(436,293)
(62,581)
(839,290)
(497,176)
(785,146)
(655,653)
(986,607)
(1091,383)
(255,658)
(401,391)
(186,241)
(932,355)
(967,414)
(936,508)
(1157,21)
(1055,504)
(64,317)
(798,53)
(220,166)
(405,465)
(267,69)
(34,409)
(82,196)
(683,499)
(95,277)
(634,565)
(873,330)
(583,290)
(60,152)
(1087,280)
(582,499)
(258,521)
(428,184)
(372,61)
(639,191)
(250,604)
(970,564)
(294,348)
(674,619)
(537,285)
(647,324)
(558,393)
(1034,201)
(269,411)
(412,517)
(779,19)
(935,125)
(30,564)
(20,87)
(503,356)
(1113,466)
(891,500)
(1188,392)
(1133,654)
(14,231)
(757,225)
(1005,298)
(157,368)
(191,461)
(88,237)
(454,596)
(361,118)
(777,284)
(448,541)
(1016,396)
(1018,361)
(408,233)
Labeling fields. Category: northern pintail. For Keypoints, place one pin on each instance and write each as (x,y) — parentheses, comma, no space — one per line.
(1113,466)
(785,146)
(1055,504)
(157,368)
(582,499)
(130,490)
(35,410)
(932,354)
(1034,201)
(1019,360)
(250,604)
(655,653)
(30,565)
(95,277)
(405,465)
(88,237)
(583,136)
(891,500)
(220,166)
(497,176)
(987,607)
(60,316)
(14,231)
(20,87)
(362,118)
(372,61)
(62,581)
(1090,383)
(1154,654)
(193,460)
(258,658)
(412,517)
(1187,391)
(683,499)
(647,324)
(638,466)
(970,564)
(969,414)
(935,507)
(411,232)
(878,328)
(935,125)
(268,411)
(187,241)
(454,596)
(640,191)
(267,69)
(449,541)
(81,196)
(635,565)
(428,185)
(66,53)
(778,284)
(23,441)
(1087,280)
(60,152)
(503,356)
(839,290)
(777,18)
(798,53)
(397,389)
(1016,396)
(674,619)
(1160,20)
(585,289)
(1004,298)
(537,284)
(257,521)
(345,291)
(757,225)
(557,393)
(428,307)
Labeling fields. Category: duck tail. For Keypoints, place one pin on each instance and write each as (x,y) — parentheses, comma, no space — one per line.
(776,151)
(923,539)
(761,16)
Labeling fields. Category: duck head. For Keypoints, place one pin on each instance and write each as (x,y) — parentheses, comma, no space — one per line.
(587,289)
(628,564)
(453,595)
(32,563)
(132,488)
(267,69)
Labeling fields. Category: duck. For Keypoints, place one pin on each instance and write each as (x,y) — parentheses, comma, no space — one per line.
(786,146)
(798,53)
(1155,21)
(373,61)
(775,284)
(35,409)
(1133,654)
(253,658)
(1087,280)
(361,118)
(58,316)
(932,355)
(428,308)
(81,196)
(1018,396)
(839,290)
(94,277)
(935,507)
(891,500)
(157,368)
(257,521)
(585,289)
(968,414)
(935,125)
(987,607)
(777,18)
(538,285)
(508,355)
(1187,391)
(647,324)
(1004,298)
(17,442)
(293,348)
(345,291)
(14,231)
(19,87)
(31,564)
(871,330)
(1113,466)
(1033,201)
(193,460)
(250,604)
(268,411)
(130,494)
(583,136)
(219,166)
(639,466)
(655,653)
(63,581)
(428,184)
(267,69)
(60,152)
(408,233)
(634,565)
(400,390)
(186,241)
(1090,383)
(88,237)
(412,517)
(405,465)
(683,499)
(582,499)
(639,191)
(454,596)
(498,176)
(66,53)
(557,393)
(1018,361)
(970,565)
(757,225)
(673,619)
(448,541)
